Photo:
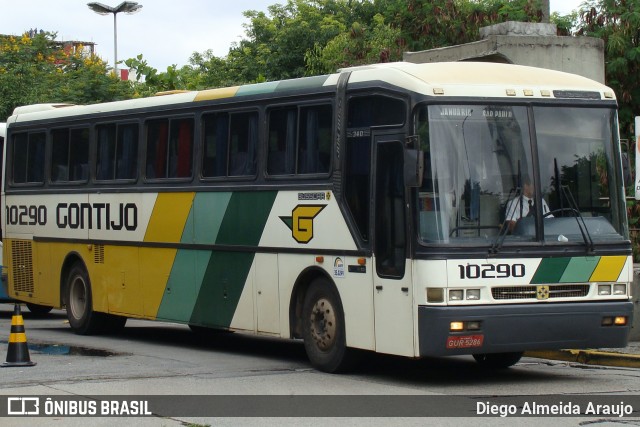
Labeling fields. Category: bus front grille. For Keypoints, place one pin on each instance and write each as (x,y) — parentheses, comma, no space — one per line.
(22,265)
(530,292)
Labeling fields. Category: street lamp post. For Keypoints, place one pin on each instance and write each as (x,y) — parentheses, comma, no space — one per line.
(128,7)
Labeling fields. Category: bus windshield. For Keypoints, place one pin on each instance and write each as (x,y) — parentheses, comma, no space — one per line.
(480,186)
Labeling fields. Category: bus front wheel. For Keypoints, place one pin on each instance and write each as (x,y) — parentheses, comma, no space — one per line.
(82,319)
(498,360)
(323,328)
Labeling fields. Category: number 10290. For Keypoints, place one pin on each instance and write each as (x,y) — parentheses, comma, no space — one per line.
(491,271)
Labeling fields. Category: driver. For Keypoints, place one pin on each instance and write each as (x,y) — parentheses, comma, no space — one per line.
(523,205)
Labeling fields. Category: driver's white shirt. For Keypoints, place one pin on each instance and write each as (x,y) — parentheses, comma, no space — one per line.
(512,213)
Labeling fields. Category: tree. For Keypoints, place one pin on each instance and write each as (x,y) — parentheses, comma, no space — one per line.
(38,70)
(617,22)
(362,44)
(310,37)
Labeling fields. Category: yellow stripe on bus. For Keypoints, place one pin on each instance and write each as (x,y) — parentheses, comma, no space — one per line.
(608,269)
(169,217)
(209,94)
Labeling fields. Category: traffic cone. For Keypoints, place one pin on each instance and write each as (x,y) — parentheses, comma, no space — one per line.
(18,352)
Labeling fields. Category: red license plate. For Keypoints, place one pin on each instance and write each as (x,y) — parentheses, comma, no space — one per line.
(464,341)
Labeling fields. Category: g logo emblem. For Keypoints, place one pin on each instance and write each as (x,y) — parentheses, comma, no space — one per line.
(301,221)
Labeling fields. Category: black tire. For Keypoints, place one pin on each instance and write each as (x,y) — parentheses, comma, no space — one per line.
(38,309)
(82,319)
(498,360)
(323,328)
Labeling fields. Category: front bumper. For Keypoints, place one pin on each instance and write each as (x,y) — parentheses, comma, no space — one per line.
(521,327)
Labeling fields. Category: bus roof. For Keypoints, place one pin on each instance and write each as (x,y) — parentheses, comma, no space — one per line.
(468,79)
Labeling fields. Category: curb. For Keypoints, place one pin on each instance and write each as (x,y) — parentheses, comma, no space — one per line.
(589,357)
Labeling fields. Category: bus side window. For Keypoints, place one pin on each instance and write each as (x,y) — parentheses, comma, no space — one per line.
(70,155)
(157,135)
(126,155)
(314,151)
(216,135)
(181,148)
(282,141)
(242,144)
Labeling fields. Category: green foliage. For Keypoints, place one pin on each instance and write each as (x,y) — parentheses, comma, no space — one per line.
(38,70)
(617,22)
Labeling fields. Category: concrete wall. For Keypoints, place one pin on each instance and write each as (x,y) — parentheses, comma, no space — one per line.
(525,44)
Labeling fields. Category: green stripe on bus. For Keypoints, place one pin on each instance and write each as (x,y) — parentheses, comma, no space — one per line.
(257,89)
(245,218)
(227,272)
(579,269)
(550,270)
(206,217)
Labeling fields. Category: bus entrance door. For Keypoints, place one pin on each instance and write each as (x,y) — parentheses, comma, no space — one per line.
(393,299)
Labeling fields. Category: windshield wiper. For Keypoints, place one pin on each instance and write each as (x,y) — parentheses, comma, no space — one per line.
(582,226)
(502,234)
(563,190)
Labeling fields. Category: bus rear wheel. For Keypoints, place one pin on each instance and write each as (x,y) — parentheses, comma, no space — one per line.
(82,319)
(323,328)
(498,360)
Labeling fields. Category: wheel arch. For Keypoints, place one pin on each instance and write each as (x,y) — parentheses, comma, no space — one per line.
(300,288)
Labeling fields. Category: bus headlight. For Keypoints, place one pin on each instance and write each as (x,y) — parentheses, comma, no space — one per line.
(473,294)
(435,295)
(456,295)
(604,289)
(619,289)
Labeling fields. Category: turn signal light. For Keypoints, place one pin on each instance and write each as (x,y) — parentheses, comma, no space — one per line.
(456,326)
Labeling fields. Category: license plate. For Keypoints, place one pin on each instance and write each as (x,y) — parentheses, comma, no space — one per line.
(465,341)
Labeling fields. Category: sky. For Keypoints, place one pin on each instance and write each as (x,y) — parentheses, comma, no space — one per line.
(165,32)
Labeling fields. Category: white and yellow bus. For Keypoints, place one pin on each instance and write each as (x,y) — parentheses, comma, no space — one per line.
(369,209)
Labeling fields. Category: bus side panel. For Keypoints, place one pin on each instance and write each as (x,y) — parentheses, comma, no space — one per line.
(46,281)
(355,290)
(120,279)
(155,268)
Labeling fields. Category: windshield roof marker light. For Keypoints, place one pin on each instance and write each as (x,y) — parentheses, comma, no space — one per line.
(545,93)
(511,92)
(528,92)
(438,91)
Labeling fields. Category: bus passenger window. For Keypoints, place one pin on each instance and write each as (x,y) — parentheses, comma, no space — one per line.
(242,144)
(28,157)
(299,140)
(181,147)
(282,141)
(126,160)
(70,155)
(169,148)
(157,135)
(314,151)
(117,156)
(216,135)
